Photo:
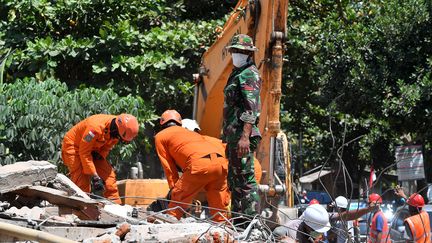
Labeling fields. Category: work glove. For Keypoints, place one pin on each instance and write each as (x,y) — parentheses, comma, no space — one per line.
(97,184)
(160,204)
(96,155)
(168,196)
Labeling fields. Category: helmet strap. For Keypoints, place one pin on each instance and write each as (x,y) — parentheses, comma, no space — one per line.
(414,210)
(114,129)
(170,124)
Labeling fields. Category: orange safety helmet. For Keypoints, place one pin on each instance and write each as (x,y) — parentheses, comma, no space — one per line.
(416,200)
(314,201)
(127,126)
(375,198)
(170,115)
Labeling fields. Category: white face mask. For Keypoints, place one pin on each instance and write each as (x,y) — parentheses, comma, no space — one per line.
(239,59)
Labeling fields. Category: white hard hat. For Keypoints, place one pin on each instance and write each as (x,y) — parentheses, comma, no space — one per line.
(316,217)
(190,124)
(341,202)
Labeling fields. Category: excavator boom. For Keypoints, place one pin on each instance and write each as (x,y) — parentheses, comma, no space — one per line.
(265,21)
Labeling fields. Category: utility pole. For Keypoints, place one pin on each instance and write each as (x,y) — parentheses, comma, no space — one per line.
(300,154)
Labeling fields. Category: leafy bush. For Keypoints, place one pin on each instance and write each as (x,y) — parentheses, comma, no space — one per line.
(34,117)
(95,56)
(140,48)
(360,71)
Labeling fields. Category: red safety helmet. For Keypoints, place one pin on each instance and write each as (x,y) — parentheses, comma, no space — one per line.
(170,115)
(314,201)
(375,198)
(416,200)
(127,126)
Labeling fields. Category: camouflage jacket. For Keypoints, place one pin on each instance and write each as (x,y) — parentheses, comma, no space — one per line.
(242,102)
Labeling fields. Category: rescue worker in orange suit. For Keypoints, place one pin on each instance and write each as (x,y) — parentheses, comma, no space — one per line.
(192,125)
(417,226)
(379,231)
(86,146)
(200,161)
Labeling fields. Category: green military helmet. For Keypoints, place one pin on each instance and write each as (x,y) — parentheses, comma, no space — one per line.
(242,42)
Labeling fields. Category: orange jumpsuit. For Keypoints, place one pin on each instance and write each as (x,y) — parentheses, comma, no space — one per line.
(222,146)
(91,134)
(202,165)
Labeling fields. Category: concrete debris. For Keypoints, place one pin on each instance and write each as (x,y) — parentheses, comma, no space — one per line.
(111,235)
(75,233)
(103,239)
(285,214)
(61,182)
(173,232)
(4,206)
(35,199)
(24,174)
(27,213)
(85,208)
(122,230)
(119,210)
(13,233)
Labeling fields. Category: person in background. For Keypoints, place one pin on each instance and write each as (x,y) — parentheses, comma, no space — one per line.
(320,215)
(379,231)
(341,230)
(242,107)
(202,165)
(314,201)
(86,146)
(417,225)
(309,227)
(304,199)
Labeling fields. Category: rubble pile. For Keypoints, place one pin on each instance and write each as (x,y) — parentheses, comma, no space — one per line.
(40,205)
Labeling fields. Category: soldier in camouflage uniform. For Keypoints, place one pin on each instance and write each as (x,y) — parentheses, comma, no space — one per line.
(240,118)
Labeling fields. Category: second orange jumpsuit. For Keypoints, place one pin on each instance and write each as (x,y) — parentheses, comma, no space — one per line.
(202,165)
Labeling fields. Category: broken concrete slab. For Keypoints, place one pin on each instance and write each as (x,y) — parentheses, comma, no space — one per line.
(27,213)
(175,232)
(103,239)
(106,216)
(112,235)
(88,207)
(74,233)
(22,233)
(120,210)
(286,214)
(24,174)
(65,184)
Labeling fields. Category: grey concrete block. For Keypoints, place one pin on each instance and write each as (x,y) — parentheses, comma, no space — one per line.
(23,174)
(286,214)
(67,185)
(75,233)
(183,232)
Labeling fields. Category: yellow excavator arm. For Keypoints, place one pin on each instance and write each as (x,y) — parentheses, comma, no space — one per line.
(265,21)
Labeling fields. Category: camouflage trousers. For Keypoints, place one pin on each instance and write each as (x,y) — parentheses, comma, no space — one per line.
(241,180)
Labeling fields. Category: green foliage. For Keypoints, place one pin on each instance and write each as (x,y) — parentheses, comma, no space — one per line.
(34,117)
(358,71)
(95,56)
(141,48)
